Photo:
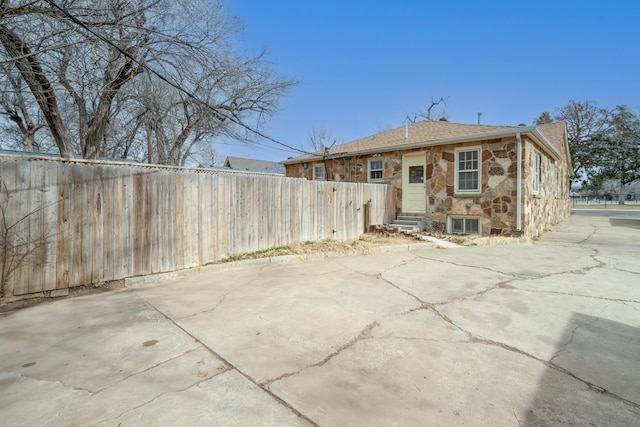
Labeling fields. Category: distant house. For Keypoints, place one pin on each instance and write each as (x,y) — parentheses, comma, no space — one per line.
(462,178)
(242,164)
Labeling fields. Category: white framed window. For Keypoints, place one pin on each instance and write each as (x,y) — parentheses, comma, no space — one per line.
(468,171)
(463,224)
(536,173)
(376,170)
(318,173)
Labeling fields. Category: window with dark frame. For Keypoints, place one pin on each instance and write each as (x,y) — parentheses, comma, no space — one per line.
(376,170)
(318,173)
(416,174)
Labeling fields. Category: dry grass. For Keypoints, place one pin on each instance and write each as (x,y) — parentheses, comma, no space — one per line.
(369,241)
(363,244)
(474,240)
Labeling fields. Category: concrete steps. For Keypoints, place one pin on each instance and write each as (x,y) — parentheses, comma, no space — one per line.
(409,223)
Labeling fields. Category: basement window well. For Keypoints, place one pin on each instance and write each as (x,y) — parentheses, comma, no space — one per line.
(463,225)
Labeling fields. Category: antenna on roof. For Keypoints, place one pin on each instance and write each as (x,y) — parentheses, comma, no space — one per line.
(479,115)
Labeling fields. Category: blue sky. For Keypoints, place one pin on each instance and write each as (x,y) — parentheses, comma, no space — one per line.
(364,65)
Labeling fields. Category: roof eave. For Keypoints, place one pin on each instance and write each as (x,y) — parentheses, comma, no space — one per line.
(479,137)
(543,142)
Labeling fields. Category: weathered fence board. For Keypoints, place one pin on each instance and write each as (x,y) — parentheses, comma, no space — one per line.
(91,222)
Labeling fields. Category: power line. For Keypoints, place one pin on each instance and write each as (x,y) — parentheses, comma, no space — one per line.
(166,80)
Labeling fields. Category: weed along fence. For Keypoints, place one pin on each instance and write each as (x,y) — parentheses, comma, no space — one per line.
(71,223)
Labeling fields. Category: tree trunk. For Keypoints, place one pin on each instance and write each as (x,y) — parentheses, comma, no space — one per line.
(39,85)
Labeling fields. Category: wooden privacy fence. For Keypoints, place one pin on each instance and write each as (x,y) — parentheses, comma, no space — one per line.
(71,223)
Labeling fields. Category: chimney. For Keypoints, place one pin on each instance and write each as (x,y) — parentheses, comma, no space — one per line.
(406,131)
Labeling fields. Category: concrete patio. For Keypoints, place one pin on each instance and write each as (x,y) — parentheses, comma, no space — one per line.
(520,334)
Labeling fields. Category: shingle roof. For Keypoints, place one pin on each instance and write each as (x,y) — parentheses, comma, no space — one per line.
(431,132)
(555,132)
(241,163)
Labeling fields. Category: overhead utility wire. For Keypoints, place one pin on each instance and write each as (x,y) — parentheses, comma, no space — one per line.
(166,80)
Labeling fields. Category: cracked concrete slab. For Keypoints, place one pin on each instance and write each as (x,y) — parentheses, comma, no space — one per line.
(89,342)
(536,322)
(136,391)
(594,283)
(431,281)
(595,354)
(536,334)
(540,260)
(278,325)
(380,382)
(26,401)
(228,399)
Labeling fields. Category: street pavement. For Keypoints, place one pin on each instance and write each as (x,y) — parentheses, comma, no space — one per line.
(520,334)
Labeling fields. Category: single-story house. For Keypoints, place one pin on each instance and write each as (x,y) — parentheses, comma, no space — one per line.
(244,164)
(462,178)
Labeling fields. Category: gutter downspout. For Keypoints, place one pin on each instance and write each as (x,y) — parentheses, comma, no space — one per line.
(519,185)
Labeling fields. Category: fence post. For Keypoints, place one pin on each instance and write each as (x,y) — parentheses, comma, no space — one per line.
(367,217)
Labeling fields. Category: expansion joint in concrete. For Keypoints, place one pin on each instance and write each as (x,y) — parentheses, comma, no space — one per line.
(241,372)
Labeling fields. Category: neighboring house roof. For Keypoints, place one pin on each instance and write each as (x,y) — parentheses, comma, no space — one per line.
(240,163)
(551,137)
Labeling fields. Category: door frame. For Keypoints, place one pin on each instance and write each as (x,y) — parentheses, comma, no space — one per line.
(405,181)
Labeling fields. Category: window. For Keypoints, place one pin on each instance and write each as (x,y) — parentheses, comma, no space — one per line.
(318,173)
(376,170)
(464,225)
(416,174)
(536,173)
(468,171)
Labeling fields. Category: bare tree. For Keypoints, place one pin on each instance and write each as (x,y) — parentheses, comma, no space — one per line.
(436,110)
(84,61)
(28,64)
(22,120)
(320,138)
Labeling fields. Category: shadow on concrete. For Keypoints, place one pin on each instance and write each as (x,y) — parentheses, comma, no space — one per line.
(605,356)
(625,222)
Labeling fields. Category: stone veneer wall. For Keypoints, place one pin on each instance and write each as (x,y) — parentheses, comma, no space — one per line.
(495,206)
(547,208)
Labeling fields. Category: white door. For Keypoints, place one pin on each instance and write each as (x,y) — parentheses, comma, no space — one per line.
(413,185)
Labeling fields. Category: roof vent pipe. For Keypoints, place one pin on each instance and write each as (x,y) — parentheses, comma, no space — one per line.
(406,131)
